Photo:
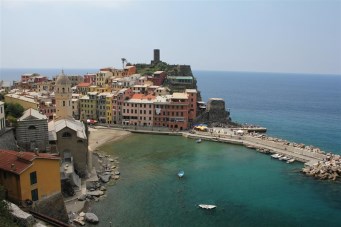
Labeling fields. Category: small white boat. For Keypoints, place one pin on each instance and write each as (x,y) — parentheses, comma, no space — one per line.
(291,160)
(284,158)
(181,173)
(276,156)
(198,141)
(207,206)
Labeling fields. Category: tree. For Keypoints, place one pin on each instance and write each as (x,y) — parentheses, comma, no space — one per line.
(14,109)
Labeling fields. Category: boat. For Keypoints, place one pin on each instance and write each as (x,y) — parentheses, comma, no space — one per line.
(284,158)
(291,160)
(181,173)
(207,206)
(276,156)
(198,141)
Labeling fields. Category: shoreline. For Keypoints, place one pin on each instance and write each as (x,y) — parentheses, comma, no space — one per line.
(100,135)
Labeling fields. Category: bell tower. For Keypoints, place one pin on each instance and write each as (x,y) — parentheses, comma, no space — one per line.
(63,95)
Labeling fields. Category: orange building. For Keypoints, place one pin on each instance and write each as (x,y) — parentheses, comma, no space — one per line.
(29,176)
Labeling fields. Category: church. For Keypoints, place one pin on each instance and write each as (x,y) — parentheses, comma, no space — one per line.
(67,136)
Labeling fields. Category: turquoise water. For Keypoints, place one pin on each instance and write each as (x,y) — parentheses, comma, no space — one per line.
(248,187)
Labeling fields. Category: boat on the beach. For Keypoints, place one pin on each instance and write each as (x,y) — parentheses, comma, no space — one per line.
(198,141)
(207,206)
(181,173)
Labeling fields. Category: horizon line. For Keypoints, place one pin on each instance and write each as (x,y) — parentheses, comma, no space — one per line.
(206,70)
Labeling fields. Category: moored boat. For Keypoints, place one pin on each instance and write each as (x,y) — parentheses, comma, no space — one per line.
(181,173)
(276,156)
(207,206)
(291,160)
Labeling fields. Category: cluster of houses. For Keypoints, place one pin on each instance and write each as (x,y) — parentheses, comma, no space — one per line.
(114,96)
(51,137)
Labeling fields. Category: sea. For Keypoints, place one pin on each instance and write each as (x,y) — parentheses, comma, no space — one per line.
(248,188)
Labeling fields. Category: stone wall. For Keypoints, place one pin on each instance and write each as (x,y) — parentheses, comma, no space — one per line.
(52,206)
(7,140)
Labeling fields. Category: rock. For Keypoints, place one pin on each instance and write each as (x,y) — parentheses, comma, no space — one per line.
(116,177)
(91,218)
(95,193)
(82,197)
(82,214)
(117,173)
(111,159)
(102,188)
(78,221)
(104,178)
(21,217)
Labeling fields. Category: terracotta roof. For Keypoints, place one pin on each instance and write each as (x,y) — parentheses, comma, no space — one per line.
(142,96)
(18,162)
(83,84)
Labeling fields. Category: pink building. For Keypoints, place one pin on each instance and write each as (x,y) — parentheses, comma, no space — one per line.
(90,78)
(118,100)
(139,110)
(171,111)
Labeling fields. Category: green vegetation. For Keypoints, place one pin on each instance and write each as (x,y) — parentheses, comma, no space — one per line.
(145,69)
(12,112)
(14,109)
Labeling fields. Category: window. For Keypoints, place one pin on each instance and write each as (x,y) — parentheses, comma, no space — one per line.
(63,103)
(34,194)
(31,127)
(66,135)
(33,177)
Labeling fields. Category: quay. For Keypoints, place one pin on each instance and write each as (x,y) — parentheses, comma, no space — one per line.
(302,155)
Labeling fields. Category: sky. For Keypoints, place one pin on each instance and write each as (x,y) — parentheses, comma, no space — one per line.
(262,36)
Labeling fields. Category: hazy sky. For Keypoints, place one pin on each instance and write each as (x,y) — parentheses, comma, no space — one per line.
(266,36)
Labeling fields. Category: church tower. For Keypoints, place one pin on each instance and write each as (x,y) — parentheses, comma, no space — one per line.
(63,95)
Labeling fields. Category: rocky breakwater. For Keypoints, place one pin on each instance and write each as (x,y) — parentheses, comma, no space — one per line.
(106,170)
(328,169)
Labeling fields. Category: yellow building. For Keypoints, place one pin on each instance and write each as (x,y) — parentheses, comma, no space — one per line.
(88,106)
(109,108)
(29,176)
(24,101)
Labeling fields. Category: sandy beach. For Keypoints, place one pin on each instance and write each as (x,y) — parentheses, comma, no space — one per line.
(100,135)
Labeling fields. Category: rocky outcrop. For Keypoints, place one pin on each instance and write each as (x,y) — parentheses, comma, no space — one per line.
(215,114)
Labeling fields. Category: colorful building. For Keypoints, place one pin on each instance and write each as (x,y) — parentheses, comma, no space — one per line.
(138,110)
(28,175)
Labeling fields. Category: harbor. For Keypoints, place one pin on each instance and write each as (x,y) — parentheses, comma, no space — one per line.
(317,163)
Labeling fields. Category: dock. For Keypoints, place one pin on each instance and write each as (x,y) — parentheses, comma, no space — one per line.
(299,154)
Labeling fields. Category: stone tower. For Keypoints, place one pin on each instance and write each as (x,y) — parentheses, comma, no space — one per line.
(156,57)
(63,95)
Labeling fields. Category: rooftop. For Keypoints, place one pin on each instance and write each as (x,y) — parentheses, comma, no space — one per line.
(18,162)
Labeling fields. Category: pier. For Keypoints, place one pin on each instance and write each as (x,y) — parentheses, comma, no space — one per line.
(306,156)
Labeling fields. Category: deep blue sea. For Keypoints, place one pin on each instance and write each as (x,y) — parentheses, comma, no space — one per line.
(249,188)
